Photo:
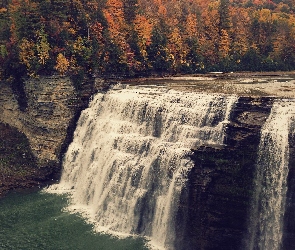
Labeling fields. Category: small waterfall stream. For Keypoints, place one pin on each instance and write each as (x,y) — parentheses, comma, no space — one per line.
(266,222)
(129,160)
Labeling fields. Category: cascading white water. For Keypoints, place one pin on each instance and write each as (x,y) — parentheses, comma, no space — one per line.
(266,222)
(129,160)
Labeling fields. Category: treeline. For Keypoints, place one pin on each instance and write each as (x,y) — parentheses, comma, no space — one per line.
(142,37)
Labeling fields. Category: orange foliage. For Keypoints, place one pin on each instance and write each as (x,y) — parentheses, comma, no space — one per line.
(96,30)
(115,18)
(224,44)
(62,64)
(191,25)
(176,49)
(209,34)
(143,28)
(240,31)
(162,10)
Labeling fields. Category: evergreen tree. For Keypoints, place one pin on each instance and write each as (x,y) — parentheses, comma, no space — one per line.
(158,52)
(193,58)
(130,10)
(224,17)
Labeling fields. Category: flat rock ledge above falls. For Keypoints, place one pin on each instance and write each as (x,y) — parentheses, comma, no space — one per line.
(276,84)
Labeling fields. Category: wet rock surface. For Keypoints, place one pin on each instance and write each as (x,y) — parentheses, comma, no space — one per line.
(215,204)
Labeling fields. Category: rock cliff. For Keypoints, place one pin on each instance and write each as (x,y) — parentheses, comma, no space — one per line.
(215,204)
(41,130)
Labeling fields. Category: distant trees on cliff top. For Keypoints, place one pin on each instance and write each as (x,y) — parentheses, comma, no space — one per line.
(137,37)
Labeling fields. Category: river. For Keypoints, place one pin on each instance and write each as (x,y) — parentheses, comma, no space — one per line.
(39,221)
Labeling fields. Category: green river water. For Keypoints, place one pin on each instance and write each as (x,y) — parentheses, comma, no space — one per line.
(38,221)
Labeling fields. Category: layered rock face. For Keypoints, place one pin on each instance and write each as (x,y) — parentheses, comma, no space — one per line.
(47,122)
(215,205)
(46,117)
(241,196)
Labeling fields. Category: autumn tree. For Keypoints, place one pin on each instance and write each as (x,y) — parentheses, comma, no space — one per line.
(209,37)
(224,44)
(62,64)
(142,31)
(118,52)
(133,37)
(283,44)
(27,56)
(240,34)
(97,45)
(42,47)
(177,53)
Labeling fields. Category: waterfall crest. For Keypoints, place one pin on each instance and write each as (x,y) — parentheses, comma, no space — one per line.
(129,159)
(266,219)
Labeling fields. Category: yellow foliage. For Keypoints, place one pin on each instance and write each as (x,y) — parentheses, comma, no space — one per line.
(27,53)
(224,45)
(43,47)
(265,16)
(62,64)
(72,31)
(78,44)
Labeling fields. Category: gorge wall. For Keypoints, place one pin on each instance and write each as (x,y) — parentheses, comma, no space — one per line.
(214,206)
(35,136)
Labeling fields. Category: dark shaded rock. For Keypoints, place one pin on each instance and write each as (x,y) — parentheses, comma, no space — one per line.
(18,166)
(214,206)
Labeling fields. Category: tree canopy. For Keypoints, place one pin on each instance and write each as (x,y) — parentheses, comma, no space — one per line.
(140,37)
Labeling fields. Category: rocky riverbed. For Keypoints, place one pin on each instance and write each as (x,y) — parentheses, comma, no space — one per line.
(276,84)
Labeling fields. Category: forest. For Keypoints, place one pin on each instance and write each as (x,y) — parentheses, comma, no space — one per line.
(131,38)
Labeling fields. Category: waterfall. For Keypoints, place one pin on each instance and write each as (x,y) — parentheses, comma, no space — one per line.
(266,222)
(129,158)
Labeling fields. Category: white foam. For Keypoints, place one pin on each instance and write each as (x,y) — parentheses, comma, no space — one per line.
(128,162)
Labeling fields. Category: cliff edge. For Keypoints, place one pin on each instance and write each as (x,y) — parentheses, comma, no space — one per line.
(34,138)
